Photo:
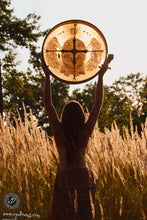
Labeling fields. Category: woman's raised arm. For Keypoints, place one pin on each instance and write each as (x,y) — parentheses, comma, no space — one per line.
(98,101)
(50,109)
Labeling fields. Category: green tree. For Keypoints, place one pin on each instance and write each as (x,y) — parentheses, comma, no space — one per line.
(25,88)
(19,88)
(15,31)
(132,88)
(115,108)
(123,98)
(143,95)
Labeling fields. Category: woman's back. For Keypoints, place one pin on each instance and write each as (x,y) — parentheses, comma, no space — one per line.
(71,152)
(71,137)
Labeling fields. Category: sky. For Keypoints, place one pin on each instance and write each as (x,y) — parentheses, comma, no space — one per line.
(122,22)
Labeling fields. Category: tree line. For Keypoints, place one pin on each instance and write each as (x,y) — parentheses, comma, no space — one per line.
(126,96)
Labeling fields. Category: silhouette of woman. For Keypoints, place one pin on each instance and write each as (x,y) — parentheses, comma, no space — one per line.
(74,188)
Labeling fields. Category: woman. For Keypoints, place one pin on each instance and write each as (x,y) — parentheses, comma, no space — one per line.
(74,189)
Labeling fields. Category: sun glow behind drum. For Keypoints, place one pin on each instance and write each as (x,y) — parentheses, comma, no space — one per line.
(74,50)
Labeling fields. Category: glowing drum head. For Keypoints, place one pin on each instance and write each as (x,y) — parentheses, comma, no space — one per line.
(74,50)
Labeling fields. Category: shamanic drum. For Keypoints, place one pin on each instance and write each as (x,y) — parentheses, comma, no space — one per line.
(74,51)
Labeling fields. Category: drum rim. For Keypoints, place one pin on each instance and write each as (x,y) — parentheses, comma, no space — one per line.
(81,22)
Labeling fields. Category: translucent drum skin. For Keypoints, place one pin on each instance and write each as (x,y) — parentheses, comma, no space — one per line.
(74,51)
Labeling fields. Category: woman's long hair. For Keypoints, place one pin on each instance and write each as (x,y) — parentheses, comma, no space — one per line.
(73,119)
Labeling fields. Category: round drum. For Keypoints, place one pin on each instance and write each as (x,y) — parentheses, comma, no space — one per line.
(74,51)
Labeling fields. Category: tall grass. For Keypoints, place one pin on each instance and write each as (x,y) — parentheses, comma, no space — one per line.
(28,161)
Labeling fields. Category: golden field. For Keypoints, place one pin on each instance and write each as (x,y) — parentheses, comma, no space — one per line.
(28,163)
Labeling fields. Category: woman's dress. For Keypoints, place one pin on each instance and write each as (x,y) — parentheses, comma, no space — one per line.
(74,195)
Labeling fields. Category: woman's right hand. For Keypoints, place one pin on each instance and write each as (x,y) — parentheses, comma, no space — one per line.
(105,66)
